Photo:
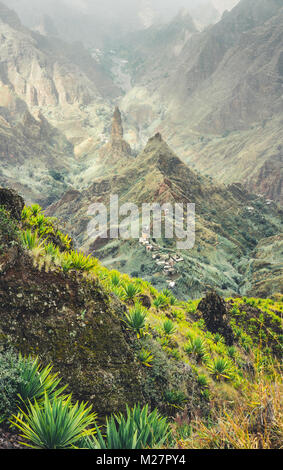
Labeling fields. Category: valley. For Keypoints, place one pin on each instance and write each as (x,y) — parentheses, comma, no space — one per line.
(125,331)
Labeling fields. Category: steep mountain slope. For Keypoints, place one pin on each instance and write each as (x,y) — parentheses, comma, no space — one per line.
(45,87)
(60,306)
(225,84)
(35,157)
(77,324)
(229,224)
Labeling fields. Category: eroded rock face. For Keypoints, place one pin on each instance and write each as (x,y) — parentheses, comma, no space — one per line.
(12,202)
(118,146)
(41,314)
(117,149)
(214,312)
(67,320)
(71,322)
(117,127)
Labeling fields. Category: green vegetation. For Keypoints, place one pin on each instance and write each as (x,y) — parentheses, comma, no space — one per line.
(169,328)
(54,424)
(145,357)
(136,317)
(9,231)
(138,429)
(172,347)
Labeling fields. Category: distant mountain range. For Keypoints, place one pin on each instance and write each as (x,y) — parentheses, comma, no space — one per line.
(229,225)
(214,95)
(217,95)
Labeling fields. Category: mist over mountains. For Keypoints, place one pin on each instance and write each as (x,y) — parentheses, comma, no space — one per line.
(214,93)
(95,22)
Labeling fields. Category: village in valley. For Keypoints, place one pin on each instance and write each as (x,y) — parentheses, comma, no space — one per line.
(164,260)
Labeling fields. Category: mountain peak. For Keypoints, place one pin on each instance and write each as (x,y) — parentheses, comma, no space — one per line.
(156,143)
(156,138)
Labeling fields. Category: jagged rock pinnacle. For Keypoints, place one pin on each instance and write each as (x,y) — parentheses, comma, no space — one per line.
(117,147)
(117,132)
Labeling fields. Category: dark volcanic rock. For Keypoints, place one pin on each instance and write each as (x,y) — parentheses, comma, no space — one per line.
(214,312)
(12,202)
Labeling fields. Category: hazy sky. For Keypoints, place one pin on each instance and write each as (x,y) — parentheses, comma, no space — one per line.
(92,20)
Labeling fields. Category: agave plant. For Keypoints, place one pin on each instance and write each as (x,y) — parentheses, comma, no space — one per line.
(197,348)
(135,319)
(35,209)
(55,424)
(231,352)
(52,251)
(65,239)
(65,262)
(37,380)
(202,380)
(145,357)
(169,327)
(221,369)
(175,398)
(26,213)
(218,338)
(131,291)
(31,239)
(115,278)
(161,301)
(172,300)
(139,429)
(82,262)
(166,292)
(119,292)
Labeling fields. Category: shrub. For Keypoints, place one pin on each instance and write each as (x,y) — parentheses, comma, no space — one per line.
(10,381)
(55,424)
(9,231)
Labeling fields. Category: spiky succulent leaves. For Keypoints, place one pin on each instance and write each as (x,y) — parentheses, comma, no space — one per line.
(137,430)
(55,424)
(145,357)
(169,328)
(136,319)
(37,380)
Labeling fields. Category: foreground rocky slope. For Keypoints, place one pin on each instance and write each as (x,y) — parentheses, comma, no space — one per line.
(198,358)
(69,319)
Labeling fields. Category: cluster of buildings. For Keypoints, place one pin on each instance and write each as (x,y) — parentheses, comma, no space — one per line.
(164,260)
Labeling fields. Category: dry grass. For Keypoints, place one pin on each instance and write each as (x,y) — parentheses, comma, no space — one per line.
(254,422)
